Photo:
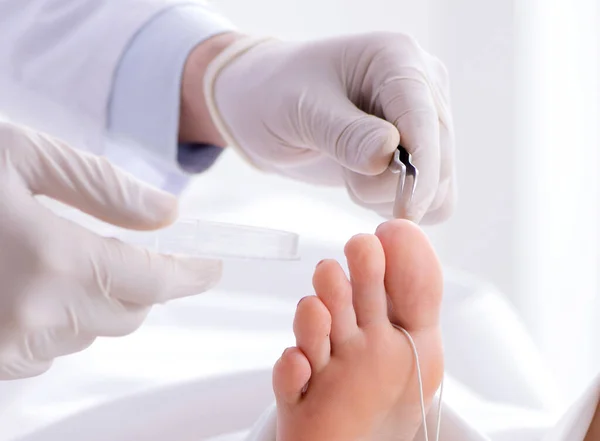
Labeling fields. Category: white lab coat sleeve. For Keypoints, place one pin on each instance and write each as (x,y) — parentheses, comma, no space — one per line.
(145,101)
(59,59)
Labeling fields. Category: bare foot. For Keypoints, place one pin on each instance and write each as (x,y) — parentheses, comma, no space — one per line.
(352,376)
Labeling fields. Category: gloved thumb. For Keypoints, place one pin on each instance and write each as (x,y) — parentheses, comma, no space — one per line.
(89,183)
(358,141)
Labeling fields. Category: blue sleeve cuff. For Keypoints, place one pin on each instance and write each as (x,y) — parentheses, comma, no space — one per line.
(196,158)
(145,100)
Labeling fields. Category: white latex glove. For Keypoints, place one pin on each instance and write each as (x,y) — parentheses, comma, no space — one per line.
(333,112)
(62,286)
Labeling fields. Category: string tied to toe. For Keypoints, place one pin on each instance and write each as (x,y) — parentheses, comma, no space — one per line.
(421,393)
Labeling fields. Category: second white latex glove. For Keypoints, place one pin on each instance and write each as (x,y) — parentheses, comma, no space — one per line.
(61,285)
(333,111)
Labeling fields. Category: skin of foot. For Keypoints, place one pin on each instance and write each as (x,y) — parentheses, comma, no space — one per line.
(593,433)
(352,375)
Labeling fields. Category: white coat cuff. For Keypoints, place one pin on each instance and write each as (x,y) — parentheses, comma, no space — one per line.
(144,105)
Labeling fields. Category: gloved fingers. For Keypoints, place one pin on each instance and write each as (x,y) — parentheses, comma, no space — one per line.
(324,171)
(35,351)
(17,368)
(384,209)
(18,359)
(87,182)
(83,311)
(372,189)
(52,330)
(379,192)
(107,317)
(109,268)
(408,103)
(357,141)
(130,274)
(439,73)
(445,210)
(47,344)
(444,203)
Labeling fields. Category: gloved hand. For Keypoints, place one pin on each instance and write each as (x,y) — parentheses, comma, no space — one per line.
(62,286)
(334,111)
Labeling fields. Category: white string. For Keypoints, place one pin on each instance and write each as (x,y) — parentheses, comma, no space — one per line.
(439,414)
(422,395)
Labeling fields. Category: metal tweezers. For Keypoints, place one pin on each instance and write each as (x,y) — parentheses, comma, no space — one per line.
(407,181)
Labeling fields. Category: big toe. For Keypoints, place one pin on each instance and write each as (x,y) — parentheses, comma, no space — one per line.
(413,276)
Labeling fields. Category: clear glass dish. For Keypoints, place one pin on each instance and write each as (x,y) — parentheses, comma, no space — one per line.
(195,237)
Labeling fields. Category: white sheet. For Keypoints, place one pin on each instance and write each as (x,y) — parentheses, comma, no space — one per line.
(225,333)
(225,408)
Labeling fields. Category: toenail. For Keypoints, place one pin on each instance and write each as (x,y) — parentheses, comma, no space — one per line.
(320,262)
(300,301)
(304,389)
